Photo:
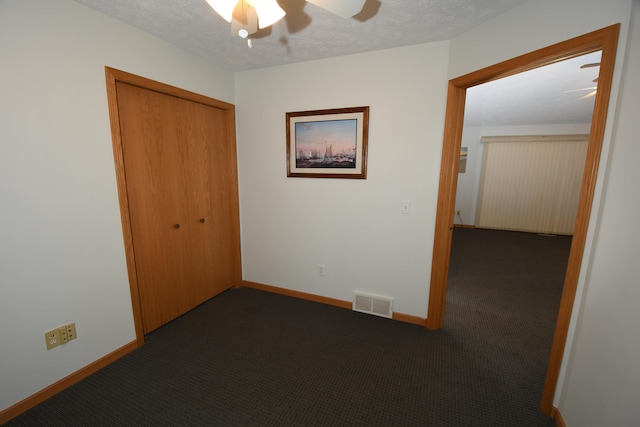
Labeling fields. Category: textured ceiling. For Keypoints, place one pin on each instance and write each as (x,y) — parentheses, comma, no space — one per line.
(545,95)
(309,32)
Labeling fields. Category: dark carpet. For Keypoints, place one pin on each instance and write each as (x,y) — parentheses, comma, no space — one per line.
(252,358)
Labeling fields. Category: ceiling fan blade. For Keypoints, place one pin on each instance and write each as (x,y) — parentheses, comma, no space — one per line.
(593,64)
(580,90)
(589,95)
(343,8)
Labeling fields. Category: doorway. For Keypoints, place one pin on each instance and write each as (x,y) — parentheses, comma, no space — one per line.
(604,40)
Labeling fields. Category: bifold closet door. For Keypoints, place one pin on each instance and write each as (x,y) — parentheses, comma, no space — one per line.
(172,156)
(153,159)
(209,265)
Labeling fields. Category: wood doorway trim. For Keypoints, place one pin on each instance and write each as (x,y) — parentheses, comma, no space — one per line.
(112,77)
(605,40)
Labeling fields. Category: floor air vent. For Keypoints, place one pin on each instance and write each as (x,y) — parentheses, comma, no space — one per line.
(373,304)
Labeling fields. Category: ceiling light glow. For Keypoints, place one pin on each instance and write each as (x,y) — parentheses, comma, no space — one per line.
(269,11)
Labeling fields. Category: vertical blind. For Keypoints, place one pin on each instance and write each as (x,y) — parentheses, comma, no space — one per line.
(531,183)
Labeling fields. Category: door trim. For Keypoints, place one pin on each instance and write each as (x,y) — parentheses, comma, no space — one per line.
(112,77)
(606,40)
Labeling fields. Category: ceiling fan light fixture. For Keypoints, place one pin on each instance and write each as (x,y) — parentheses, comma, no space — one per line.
(245,20)
(224,8)
(269,12)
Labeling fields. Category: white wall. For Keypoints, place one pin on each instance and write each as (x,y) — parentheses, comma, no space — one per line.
(469,182)
(603,380)
(353,227)
(61,248)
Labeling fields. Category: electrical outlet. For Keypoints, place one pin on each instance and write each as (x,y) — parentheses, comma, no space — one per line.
(71,331)
(60,335)
(64,338)
(458,213)
(320,269)
(52,338)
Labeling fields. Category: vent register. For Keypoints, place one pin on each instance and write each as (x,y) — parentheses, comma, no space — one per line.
(373,304)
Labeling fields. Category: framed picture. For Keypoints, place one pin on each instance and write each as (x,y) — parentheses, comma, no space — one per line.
(328,143)
(462,168)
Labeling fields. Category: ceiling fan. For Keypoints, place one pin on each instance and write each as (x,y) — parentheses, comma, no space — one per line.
(247,16)
(593,89)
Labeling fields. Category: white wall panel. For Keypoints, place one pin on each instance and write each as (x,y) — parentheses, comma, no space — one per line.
(353,227)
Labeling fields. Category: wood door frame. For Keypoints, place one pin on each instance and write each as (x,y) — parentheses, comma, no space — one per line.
(112,77)
(605,40)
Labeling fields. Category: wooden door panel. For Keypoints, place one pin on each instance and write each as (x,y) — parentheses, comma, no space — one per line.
(197,145)
(154,158)
(224,208)
(205,136)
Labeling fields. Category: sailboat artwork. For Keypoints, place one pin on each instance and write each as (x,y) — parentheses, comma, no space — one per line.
(327,143)
(314,151)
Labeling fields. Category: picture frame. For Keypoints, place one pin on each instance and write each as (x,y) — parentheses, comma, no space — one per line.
(462,167)
(328,143)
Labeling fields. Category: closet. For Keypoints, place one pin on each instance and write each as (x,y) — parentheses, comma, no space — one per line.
(178,191)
